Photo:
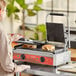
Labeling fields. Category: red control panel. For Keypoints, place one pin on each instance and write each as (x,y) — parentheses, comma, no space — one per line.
(33,58)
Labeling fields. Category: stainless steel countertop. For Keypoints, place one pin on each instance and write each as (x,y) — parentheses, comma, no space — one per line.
(41,70)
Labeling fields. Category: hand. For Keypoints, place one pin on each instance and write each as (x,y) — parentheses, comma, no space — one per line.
(14,37)
(20,68)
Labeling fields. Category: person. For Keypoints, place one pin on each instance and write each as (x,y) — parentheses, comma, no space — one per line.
(7,67)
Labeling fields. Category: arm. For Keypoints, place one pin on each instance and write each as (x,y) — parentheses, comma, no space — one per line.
(6,55)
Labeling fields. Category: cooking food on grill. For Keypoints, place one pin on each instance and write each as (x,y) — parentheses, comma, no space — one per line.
(29,46)
(48,47)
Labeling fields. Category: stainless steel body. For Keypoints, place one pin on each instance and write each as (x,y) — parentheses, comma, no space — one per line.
(62,57)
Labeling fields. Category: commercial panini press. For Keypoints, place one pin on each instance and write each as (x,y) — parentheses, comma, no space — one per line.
(57,36)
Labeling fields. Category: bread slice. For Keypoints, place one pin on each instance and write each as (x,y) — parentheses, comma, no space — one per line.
(48,47)
(29,46)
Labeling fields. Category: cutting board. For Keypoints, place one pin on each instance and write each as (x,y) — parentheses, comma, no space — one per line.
(70,68)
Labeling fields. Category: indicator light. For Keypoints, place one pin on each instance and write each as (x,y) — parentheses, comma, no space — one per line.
(17,55)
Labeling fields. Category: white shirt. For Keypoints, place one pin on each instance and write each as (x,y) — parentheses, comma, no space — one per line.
(6,64)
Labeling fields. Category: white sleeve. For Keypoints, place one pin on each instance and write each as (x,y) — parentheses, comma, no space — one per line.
(5,53)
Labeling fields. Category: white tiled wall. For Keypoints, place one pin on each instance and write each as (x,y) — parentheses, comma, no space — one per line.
(42,15)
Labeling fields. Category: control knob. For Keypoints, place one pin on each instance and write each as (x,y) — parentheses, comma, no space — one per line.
(22,56)
(42,59)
